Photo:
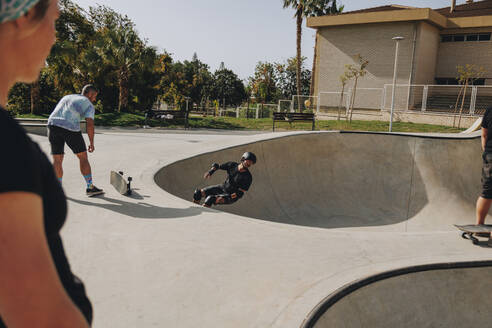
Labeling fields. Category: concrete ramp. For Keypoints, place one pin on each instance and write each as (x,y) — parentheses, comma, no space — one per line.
(349,180)
(475,126)
(439,295)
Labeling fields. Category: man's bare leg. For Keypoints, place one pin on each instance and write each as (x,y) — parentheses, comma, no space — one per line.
(483,206)
(85,166)
(58,165)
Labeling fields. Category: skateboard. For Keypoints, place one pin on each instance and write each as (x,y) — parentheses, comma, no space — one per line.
(122,185)
(472,231)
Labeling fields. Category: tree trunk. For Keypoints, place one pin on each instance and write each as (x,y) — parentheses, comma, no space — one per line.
(35,97)
(456,105)
(298,56)
(341,102)
(462,103)
(313,70)
(123,88)
(353,99)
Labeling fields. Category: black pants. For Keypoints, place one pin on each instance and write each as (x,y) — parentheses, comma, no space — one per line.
(219,191)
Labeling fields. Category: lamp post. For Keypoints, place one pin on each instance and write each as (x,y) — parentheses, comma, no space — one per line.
(397,39)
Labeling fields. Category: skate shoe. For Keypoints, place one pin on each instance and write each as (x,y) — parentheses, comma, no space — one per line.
(93,191)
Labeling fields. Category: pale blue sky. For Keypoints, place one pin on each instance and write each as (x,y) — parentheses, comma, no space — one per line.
(239,33)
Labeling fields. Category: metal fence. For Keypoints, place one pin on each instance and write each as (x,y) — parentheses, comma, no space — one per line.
(365,99)
(448,99)
(284,105)
(304,103)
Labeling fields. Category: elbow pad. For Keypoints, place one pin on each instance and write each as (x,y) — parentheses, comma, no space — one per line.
(239,194)
(214,168)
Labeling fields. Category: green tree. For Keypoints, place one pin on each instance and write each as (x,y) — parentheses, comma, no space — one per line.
(70,63)
(228,88)
(466,75)
(119,47)
(264,82)
(199,79)
(356,71)
(286,74)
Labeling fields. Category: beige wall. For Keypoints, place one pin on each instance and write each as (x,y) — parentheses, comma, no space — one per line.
(427,47)
(338,45)
(452,54)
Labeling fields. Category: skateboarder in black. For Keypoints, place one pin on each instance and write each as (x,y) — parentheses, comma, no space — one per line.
(238,181)
(485,199)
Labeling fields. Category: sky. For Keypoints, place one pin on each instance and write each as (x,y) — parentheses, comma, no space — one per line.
(239,33)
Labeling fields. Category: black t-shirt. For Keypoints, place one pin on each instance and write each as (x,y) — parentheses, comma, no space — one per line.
(235,178)
(487,124)
(25,167)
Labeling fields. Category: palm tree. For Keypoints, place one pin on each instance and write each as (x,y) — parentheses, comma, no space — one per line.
(303,8)
(121,48)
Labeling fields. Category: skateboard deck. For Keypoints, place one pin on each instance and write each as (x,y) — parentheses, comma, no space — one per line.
(122,185)
(471,231)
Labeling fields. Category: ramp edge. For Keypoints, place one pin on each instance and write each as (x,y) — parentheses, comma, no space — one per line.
(336,296)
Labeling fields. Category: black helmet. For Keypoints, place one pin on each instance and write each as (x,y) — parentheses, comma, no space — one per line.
(249,156)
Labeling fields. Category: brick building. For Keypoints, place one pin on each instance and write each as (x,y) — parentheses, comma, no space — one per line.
(436,41)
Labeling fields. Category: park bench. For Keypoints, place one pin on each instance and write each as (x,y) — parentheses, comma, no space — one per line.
(292,117)
(167,115)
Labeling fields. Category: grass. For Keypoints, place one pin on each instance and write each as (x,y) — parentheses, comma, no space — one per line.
(232,123)
(38,116)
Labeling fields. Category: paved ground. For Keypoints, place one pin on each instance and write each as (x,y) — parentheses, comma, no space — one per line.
(325,209)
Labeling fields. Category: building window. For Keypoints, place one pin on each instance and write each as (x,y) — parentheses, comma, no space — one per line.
(446,38)
(484,37)
(458,38)
(465,37)
(454,81)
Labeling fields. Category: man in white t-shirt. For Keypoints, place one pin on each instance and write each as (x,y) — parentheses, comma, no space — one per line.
(64,127)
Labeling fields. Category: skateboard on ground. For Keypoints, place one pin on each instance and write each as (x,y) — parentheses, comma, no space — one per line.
(122,185)
(472,231)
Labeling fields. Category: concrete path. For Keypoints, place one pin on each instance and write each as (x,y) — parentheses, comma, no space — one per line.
(157,260)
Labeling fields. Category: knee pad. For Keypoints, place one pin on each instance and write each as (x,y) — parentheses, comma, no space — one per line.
(210,200)
(227,199)
(197,195)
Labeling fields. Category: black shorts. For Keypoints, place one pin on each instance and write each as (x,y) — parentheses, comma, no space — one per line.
(59,136)
(487,176)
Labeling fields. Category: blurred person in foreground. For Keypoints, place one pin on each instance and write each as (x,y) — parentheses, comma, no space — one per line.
(37,287)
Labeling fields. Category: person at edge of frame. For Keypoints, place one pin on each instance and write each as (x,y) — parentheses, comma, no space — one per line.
(37,286)
(485,199)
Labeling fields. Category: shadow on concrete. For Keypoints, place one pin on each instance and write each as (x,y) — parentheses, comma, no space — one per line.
(136,195)
(142,210)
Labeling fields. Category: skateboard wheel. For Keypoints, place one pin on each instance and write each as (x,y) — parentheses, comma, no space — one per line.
(130,179)
(120,172)
(464,235)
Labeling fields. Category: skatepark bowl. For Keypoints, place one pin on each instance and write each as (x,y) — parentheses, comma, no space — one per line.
(438,295)
(366,182)
(342,180)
